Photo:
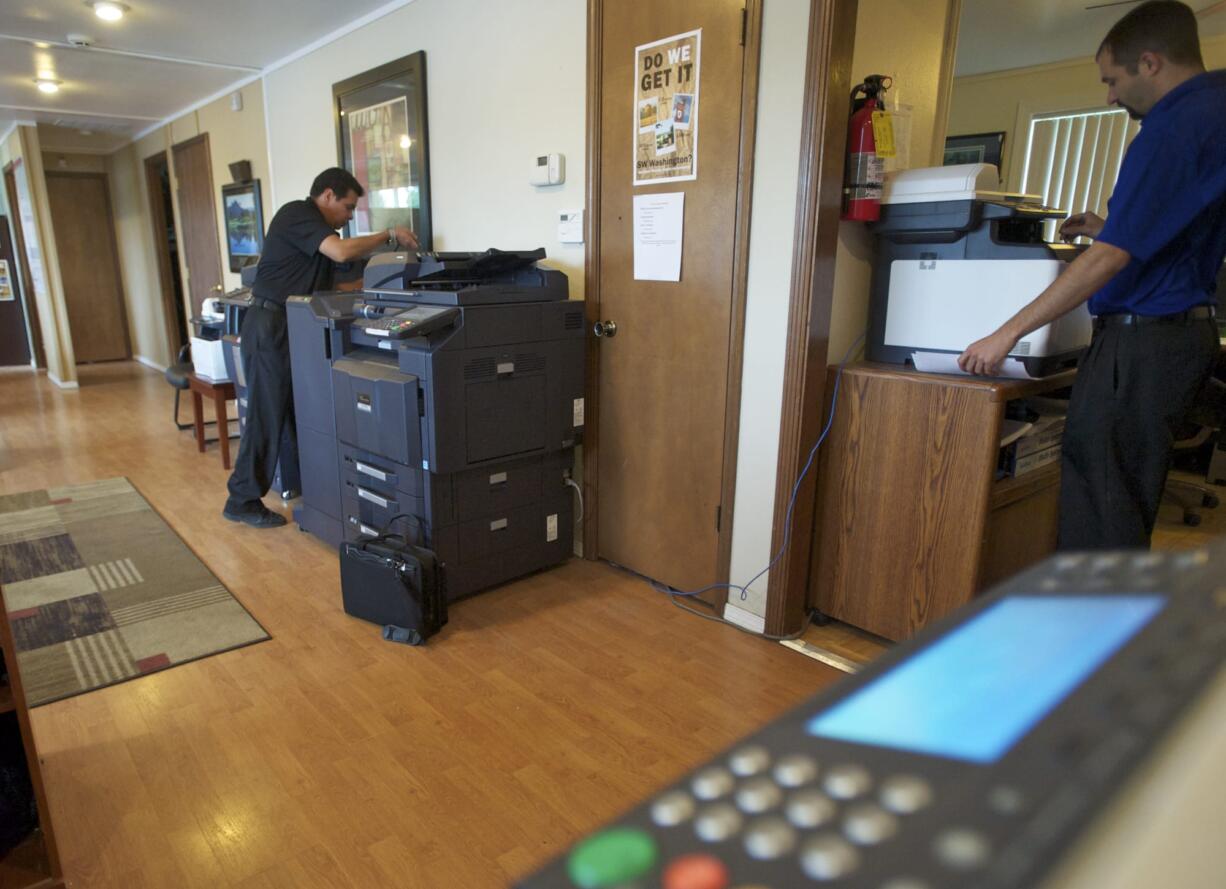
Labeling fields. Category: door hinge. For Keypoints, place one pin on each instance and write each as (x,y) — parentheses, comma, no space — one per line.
(744,23)
(718,510)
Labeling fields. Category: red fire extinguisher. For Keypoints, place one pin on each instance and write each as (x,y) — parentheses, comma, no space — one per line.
(865,173)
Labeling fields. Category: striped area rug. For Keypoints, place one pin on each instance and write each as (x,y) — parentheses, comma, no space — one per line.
(99,590)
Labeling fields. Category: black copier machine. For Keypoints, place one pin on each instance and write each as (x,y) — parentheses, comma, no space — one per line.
(445,400)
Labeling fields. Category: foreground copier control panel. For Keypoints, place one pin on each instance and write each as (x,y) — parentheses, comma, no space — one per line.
(417,321)
(968,757)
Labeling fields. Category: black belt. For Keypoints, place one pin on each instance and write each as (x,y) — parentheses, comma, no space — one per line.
(1200,313)
(269,304)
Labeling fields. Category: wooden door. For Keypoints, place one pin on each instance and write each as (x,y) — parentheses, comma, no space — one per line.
(89,265)
(198,220)
(666,415)
(14,346)
(21,247)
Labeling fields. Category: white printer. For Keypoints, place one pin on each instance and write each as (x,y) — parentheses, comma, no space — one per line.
(956,259)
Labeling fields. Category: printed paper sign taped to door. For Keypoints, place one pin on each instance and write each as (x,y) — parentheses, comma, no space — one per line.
(666,109)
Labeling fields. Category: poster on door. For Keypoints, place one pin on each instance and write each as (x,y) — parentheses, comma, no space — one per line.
(6,284)
(666,109)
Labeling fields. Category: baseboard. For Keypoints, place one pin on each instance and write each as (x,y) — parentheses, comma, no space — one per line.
(149,362)
(743,618)
(53,378)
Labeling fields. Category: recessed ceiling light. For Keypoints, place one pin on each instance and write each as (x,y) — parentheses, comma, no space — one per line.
(108,10)
(47,84)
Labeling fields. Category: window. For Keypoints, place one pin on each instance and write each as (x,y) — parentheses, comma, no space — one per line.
(1073,160)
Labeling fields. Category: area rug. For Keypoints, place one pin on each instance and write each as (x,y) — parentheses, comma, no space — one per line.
(100,590)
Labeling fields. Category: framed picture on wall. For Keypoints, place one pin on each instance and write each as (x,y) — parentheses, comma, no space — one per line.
(244,223)
(979,148)
(381,138)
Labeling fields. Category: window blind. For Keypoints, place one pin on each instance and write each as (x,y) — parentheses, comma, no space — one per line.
(1073,160)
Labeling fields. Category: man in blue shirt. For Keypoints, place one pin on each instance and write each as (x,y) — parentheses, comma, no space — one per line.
(1150,279)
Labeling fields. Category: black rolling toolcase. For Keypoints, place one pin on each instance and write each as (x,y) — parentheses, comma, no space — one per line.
(391,582)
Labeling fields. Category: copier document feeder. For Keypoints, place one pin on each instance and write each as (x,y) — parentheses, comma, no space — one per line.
(444,402)
(954,261)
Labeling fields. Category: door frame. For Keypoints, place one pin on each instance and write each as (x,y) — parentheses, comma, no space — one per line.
(157,216)
(110,216)
(27,280)
(740,278)
(832,33)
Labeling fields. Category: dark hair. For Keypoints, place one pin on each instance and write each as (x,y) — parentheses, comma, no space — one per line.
(340,181)
(1164,27)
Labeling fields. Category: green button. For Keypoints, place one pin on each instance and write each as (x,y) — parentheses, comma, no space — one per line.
(611,858)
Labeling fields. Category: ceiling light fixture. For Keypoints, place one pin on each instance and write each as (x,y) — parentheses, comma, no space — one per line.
(108,10)
(47,84)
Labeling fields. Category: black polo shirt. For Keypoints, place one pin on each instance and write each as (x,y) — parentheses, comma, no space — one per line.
(290,263)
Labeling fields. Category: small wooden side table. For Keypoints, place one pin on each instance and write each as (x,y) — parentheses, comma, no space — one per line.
(220,391)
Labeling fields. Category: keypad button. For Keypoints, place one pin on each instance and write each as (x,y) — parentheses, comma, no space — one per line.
(1005,799)
(695,872)
(961,849)
(758,795)
(1147,560)
(847,782)
(1069,562)
(867,824)
(828,857)
(717,823)
(611,858)
(905,883)
(904,794)
(672,808)
(1193,559)
(810,808)
(1105,562)
(749,761)
(713,783)
(795,770)
(769,838)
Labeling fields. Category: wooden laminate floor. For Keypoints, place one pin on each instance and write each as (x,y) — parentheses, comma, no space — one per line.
(327,757)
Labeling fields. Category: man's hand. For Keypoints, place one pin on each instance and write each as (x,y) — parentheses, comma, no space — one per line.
(984,357)
(406,237)
(1079,224)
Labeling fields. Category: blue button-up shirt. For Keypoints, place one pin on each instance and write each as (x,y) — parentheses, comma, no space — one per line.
(1169,206)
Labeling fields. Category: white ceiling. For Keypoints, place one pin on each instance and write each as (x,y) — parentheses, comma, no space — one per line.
(995,35)
(162,57)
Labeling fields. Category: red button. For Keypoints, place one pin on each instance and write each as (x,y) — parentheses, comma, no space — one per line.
(696,872)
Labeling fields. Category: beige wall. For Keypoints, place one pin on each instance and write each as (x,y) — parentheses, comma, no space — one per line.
(907,39)
(1004,101)
(52,311)
(233,136)
(506,83)
(137,261)
(73,162)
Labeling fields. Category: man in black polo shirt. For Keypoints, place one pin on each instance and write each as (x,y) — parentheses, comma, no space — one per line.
(300,250)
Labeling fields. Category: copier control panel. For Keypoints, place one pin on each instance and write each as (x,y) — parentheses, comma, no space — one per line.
(417,321)
(969,756)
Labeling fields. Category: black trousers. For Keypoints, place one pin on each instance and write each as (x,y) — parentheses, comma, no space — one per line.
(1133,389)
(270,406)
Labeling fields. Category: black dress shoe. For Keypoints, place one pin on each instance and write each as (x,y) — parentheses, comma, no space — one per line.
(259,516)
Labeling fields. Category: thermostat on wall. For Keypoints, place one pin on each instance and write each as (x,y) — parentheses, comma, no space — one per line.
(548,169)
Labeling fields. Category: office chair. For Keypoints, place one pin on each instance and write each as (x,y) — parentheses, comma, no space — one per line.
(1207,418)
(176,375)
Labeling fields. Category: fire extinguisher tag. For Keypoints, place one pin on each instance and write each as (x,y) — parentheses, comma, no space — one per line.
(883,134)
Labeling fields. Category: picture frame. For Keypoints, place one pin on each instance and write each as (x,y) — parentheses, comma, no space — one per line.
(976,148)
(382,138)
(243,211)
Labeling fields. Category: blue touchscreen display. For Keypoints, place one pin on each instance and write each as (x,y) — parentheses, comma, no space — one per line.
(976,691)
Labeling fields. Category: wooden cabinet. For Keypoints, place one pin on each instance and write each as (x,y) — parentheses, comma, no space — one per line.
(911,522)
(34,863)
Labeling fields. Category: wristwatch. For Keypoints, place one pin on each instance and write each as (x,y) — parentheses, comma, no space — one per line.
(391,237)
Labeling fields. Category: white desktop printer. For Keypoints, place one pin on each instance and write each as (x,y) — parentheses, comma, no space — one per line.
(956,259)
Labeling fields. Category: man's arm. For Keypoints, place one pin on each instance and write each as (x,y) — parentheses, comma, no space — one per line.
(340,249)
(1084,276)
